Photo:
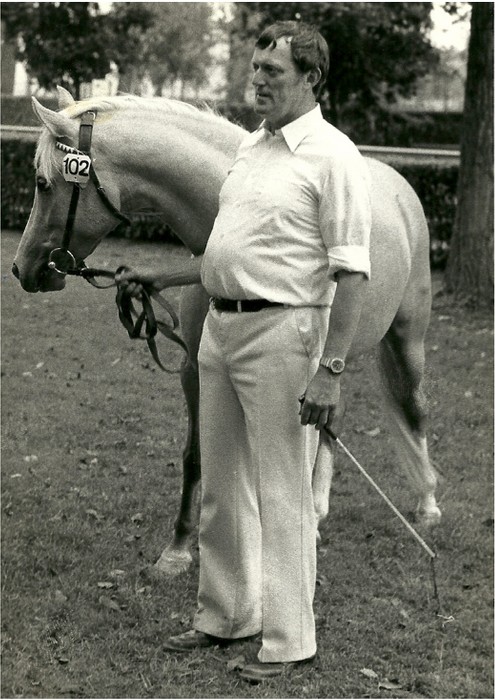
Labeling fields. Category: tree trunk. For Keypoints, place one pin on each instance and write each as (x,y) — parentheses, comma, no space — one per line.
(469,273)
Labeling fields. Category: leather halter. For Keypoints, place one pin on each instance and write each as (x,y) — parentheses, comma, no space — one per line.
(143,324)
(85,137)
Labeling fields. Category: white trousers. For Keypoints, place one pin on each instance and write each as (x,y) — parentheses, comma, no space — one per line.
(258,527)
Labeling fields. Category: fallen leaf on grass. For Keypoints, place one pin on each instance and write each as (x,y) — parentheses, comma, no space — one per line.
(132,538)
(390,685)
(238,663)
(108,603)
(94,514)
(60,597)
(62,659)
(137,518)
(368,672)
(105,584)
(116,572)
(371,432)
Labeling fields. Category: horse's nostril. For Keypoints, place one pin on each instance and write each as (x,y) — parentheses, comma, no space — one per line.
(15,271)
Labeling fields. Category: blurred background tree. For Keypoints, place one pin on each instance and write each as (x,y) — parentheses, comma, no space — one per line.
(69,43)
(177,44)
(469,273)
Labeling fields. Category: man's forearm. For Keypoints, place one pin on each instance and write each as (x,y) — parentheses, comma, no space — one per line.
(345,314)
(185,273)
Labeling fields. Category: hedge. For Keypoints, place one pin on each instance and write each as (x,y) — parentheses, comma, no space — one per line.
(435,186)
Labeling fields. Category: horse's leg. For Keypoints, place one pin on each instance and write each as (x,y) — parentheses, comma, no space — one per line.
(401,360)
(176,557)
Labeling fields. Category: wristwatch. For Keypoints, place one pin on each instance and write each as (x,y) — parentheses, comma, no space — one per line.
(336,365)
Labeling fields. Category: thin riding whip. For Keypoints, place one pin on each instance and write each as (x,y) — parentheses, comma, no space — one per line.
(396,511)
(387,500)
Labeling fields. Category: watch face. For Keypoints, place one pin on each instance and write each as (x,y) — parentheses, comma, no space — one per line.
(337,365)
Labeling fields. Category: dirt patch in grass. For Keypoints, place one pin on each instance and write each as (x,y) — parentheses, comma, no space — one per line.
(92,435)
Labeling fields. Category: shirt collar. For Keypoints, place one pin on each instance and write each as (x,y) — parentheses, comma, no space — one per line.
(296,131)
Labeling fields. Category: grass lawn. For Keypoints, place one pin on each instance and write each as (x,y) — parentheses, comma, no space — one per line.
(92,435)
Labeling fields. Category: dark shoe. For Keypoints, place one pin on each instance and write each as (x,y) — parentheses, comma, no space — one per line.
(258,672)
(188,641)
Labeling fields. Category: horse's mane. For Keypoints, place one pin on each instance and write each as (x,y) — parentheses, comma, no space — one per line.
(147,104)
(48,164)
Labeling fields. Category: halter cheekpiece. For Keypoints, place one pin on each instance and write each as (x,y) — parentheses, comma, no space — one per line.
(61,259)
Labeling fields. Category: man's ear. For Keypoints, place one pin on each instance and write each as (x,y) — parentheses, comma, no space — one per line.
(313,77)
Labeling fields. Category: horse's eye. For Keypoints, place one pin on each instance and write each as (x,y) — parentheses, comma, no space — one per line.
(42,184)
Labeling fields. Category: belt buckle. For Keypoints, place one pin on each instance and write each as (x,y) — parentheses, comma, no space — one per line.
(239,306)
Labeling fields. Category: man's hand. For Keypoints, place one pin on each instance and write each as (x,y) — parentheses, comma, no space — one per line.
(133,280)
(321,399)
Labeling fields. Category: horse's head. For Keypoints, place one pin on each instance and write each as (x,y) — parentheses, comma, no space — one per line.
(95,213)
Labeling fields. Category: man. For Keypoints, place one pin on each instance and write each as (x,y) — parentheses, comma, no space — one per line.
(291,241)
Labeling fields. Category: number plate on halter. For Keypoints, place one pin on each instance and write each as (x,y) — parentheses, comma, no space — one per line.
(76,168)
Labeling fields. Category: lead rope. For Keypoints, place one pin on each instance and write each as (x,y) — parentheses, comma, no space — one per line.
(138,324)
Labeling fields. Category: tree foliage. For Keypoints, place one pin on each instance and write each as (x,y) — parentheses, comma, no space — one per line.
(377,49)
(68,43)
(176,45)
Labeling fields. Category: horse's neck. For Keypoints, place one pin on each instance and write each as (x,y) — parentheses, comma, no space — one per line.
(176,165)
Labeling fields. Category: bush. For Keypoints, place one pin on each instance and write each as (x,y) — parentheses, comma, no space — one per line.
(435,186)
(402,129)
(18,111)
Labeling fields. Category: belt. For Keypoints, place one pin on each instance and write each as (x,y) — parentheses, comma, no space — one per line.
(242,305)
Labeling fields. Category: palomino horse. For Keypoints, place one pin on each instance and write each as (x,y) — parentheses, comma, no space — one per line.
(175,158)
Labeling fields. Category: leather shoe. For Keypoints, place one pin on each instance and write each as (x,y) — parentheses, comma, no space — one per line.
(188,641)
(258,672)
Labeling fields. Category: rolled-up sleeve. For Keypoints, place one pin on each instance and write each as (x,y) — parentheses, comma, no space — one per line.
(345,215)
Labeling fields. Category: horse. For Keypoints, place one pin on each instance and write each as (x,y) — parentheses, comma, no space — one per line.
(174,157)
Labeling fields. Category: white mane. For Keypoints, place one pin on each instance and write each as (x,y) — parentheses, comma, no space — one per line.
(48,163)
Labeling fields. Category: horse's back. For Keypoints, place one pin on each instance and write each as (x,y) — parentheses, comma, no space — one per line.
(399,251)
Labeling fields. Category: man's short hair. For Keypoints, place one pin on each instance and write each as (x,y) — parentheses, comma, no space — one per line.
(309,48)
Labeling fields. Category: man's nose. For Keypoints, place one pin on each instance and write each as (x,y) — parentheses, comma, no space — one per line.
(257,78)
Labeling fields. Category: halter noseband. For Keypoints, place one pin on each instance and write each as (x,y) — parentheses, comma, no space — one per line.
(61,259)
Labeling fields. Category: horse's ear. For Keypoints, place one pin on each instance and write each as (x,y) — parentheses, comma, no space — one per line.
(65,99)
(57,123)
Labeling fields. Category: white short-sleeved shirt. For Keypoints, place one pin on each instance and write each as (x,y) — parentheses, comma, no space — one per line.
(294,210)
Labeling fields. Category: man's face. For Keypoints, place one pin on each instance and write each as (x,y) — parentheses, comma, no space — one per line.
(282,92)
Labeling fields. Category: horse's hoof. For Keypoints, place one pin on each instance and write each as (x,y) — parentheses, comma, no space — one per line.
(172,562)
(429,518)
